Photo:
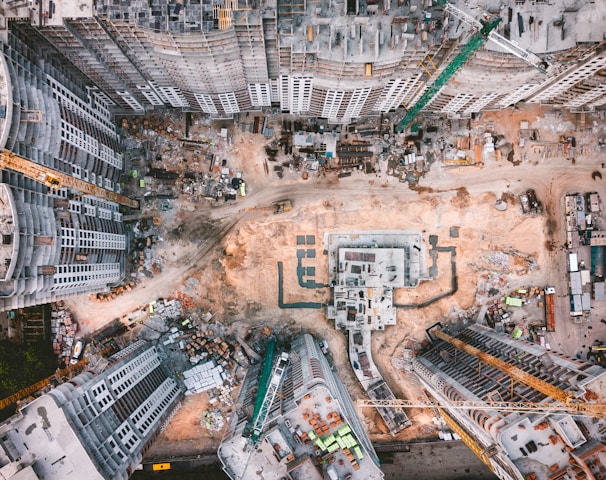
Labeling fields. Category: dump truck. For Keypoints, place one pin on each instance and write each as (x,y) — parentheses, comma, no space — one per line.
(282,206)
(550,309)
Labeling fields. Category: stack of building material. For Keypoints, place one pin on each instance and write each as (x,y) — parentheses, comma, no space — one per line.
(174,334)
(167,309)
(63,331)
(203,377)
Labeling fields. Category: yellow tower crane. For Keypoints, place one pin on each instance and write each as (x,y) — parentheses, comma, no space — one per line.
(563,402)
(74,369)
(54,179)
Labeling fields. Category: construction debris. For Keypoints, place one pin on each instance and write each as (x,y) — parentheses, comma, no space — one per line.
(213,420)
(63,331)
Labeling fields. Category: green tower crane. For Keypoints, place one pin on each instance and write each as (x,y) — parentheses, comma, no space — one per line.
(473,45)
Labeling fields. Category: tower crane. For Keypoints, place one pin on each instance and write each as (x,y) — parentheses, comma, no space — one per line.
(70,369)
(563,401)
(485,31)
(54,179)
(596,410)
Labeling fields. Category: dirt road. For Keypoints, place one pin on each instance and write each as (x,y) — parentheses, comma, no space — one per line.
(204,230)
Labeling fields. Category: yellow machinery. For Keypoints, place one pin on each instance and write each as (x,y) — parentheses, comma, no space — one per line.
(531,407)
(69,370)
(55,179)
(562,402)
(280,206)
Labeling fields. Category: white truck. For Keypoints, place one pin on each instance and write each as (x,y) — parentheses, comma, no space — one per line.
(77,352)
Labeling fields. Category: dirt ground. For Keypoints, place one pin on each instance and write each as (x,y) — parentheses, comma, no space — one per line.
(185,436)
(226,255)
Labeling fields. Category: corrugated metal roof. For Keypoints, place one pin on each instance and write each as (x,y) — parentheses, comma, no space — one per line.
(575,283)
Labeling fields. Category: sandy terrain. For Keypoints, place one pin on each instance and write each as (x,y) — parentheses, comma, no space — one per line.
(232,250)
(185,436)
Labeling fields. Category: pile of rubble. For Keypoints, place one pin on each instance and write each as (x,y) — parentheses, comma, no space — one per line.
(499,267)
(212,420)
(63,330)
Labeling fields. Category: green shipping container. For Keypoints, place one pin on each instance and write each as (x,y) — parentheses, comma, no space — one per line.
(358,452)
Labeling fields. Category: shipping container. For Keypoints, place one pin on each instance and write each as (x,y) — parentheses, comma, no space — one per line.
(550,309)
(573,262)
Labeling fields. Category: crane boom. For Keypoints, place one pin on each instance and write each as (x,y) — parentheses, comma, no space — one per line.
(512,371)
(485,31)
(552,408)
(508,45)
(473,45)
(54,179)
(25,392)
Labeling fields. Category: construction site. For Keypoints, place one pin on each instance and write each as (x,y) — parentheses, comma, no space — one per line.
(301,238)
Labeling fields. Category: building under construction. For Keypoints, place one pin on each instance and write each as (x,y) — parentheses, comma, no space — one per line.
(96,426)
(334,60)
(557,438)
(56,133)
(365,268)
(296,420)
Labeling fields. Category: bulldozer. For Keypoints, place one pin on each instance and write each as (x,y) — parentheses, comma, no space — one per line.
(282,206)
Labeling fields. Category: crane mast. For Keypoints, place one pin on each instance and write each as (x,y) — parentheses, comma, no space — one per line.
(467,51)
(73,369)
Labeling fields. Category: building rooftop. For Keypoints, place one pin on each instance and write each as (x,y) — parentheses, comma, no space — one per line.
(312,426)
(39,427)
(364,270)
(547,445)
(292,443)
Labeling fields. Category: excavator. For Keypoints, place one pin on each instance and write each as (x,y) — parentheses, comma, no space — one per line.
(279,206)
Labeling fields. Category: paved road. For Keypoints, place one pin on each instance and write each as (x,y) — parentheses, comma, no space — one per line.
(424,461)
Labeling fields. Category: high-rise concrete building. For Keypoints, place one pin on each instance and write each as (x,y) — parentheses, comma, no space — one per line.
(55,243)
(94,427)
(334,60)
(297,421)
(482,366)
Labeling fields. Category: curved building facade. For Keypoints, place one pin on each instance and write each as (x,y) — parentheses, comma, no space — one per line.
(334,60)
(55,243)
(94,426)
(516,445)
